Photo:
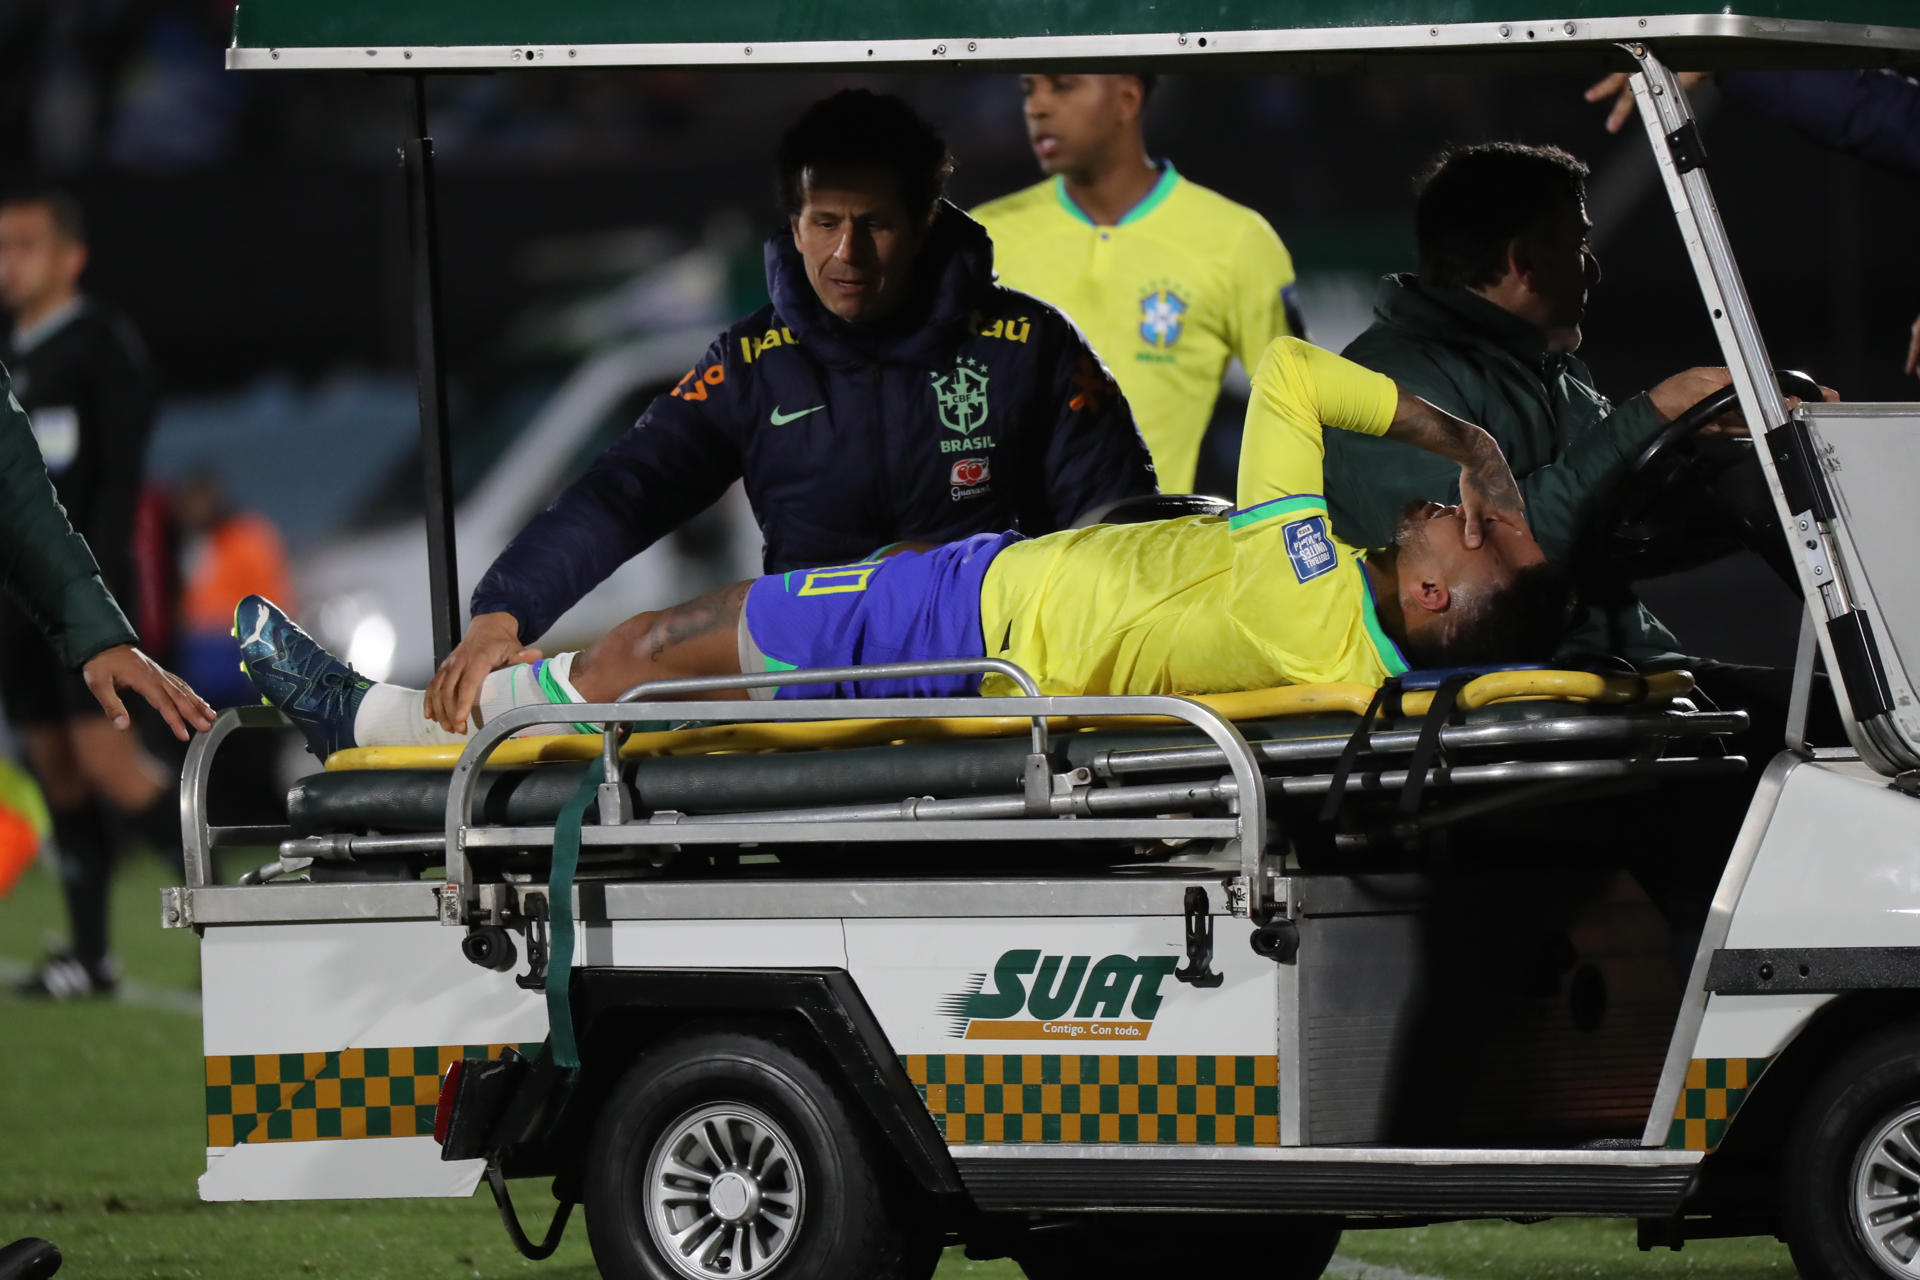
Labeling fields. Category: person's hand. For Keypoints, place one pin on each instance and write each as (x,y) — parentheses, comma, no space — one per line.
(1690,386)
(125,667)
(492,642)
(1685,389)
(1488,491)
(1913,351)
(1615,87)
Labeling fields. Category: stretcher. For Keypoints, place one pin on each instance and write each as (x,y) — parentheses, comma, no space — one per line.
(1098,783)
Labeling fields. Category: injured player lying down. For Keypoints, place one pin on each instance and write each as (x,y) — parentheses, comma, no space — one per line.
(1202,604)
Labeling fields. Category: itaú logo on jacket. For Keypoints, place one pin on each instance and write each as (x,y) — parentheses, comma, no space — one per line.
(1030,996)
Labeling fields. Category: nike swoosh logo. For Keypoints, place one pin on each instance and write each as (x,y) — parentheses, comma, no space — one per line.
(780,419)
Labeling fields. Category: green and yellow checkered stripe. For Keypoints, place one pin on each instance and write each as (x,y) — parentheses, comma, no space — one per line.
(1181,1099)
(344,1093)
(1713,1092)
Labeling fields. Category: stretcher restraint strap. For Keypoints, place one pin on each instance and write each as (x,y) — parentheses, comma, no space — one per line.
(561,1048)
(1386,704)
(1426,749)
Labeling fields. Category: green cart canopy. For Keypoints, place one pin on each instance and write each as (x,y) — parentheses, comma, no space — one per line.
(412,35)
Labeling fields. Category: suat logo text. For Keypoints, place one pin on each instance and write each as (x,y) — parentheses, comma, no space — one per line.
(1030,996)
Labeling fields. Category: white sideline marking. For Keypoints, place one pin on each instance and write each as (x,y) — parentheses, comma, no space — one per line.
(1353,1269)
(139,994)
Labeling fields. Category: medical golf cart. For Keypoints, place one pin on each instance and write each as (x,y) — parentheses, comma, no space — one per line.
(1109,985)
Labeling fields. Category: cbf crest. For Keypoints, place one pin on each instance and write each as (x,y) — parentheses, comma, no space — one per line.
(962,396)
(1162,316)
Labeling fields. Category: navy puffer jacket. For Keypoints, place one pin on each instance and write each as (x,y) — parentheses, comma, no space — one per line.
(978,409)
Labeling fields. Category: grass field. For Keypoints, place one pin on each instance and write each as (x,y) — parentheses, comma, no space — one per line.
(102,1136)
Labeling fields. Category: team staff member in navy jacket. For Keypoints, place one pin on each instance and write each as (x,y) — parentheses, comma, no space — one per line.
(891,391)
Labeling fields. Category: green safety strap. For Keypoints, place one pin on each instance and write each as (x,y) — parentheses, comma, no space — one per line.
(561,1048)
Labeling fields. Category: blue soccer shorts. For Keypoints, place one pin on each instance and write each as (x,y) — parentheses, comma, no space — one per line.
(914,606)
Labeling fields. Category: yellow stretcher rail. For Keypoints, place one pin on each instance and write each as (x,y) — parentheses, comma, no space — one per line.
(1257,704)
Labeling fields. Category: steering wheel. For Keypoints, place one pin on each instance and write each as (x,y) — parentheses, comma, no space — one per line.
(1685,501)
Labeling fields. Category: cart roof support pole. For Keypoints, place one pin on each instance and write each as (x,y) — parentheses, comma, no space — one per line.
(443,576)
(1681,158)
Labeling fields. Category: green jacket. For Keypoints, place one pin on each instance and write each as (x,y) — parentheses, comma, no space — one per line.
(1566,442)
(44,565)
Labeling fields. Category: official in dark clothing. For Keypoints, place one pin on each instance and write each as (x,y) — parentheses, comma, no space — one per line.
(891,391)
(80,372)
(1487,331)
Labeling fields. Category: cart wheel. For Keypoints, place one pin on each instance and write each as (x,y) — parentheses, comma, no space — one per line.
(1850,1203)
(727,1157)
(1153,1247)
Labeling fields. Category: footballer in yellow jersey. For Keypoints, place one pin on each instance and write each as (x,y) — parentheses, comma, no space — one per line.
(1167,279)
(1263,597)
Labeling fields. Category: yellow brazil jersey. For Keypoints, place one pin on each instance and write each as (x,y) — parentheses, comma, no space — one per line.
(1185,281)
(1265,596)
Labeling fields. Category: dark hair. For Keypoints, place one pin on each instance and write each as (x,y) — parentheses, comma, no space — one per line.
(1147,81)
(69,222)
(1474,200)
(1523,621)
(858,129)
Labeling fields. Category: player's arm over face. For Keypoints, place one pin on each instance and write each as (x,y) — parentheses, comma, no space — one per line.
(1299,387)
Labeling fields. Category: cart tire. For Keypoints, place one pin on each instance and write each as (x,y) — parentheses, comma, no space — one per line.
(1851,1168)
(1156,1246)
(740,1147)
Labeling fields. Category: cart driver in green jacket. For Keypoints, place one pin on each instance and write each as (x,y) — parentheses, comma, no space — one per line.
(1488,330)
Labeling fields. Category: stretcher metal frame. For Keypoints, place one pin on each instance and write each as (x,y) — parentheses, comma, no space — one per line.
(1093,802)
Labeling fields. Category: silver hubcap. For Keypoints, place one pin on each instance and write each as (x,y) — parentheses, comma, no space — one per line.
(1886,1193)
(724,1193)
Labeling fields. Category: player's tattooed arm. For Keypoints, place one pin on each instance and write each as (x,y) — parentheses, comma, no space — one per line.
(1487,487)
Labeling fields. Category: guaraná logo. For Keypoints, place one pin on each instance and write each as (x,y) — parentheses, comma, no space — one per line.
(1069,998)
(969,472)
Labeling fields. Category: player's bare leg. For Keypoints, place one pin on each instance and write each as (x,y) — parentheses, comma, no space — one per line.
(697,638)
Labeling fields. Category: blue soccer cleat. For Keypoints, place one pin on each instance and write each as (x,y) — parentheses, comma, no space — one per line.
(310,686)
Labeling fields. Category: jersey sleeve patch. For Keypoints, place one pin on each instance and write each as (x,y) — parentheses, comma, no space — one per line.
(1309,549)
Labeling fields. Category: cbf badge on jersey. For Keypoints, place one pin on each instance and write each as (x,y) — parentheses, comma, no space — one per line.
(1309,548)
(1162,316)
